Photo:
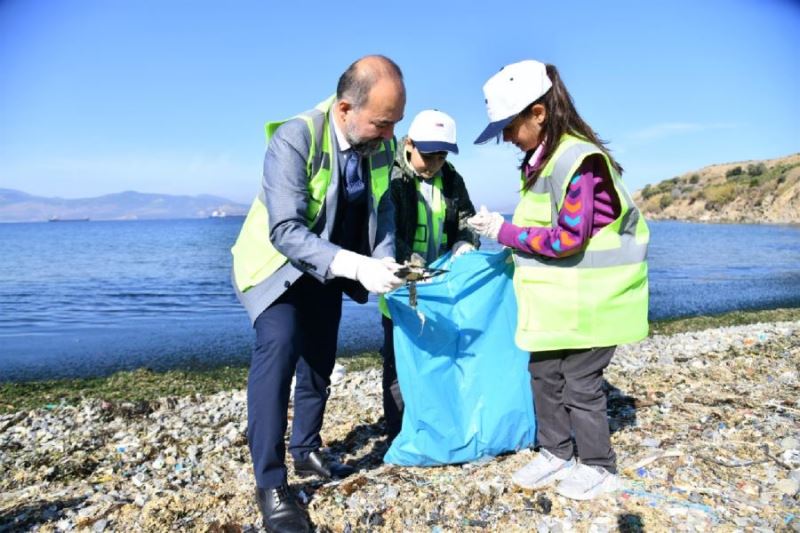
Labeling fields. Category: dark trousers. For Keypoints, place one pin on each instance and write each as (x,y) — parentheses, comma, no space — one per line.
(296,334)
(392,397)
(568,396)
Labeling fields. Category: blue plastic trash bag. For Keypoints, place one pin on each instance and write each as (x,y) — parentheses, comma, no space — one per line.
(465,384)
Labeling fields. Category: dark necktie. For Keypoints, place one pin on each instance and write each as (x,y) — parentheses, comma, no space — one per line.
(354,185)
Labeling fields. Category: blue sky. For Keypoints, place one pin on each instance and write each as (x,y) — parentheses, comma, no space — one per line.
(171,96)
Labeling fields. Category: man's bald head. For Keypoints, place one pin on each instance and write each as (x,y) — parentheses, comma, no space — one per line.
(358,80)
(370,100)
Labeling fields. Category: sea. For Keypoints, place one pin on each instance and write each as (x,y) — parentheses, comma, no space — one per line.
(80,299)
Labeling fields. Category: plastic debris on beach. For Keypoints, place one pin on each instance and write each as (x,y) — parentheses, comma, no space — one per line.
(705,426)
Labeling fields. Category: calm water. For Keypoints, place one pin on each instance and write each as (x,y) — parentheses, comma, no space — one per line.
(80,299)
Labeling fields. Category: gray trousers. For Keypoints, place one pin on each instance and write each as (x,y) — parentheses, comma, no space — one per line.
(568,397)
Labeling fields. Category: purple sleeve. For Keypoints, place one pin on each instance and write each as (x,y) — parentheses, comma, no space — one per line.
(574,228)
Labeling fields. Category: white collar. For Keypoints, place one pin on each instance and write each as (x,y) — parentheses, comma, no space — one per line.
(341,140)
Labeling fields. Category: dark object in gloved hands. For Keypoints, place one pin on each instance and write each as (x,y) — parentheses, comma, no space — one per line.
(413,271)
(410,274)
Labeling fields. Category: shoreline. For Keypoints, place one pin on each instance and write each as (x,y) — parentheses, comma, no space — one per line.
(658,217)
(704,422)
(143,384)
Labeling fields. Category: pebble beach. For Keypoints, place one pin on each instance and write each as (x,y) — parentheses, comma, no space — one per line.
(705,425)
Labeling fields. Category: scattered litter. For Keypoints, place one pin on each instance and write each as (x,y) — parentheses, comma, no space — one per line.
(700,447)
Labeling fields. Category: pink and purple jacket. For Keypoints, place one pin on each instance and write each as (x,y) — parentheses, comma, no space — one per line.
(590,205)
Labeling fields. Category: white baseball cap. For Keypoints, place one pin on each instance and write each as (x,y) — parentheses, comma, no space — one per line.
(433,131)
(510,91)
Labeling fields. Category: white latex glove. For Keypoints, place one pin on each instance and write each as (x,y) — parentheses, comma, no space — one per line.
(485,223)
(462,247)
(376,275)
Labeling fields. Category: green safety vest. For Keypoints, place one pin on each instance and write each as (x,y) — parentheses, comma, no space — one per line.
(254,256)
(597,297)
(435,225)
(438,209)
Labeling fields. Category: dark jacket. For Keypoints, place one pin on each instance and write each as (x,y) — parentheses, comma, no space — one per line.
(404,195)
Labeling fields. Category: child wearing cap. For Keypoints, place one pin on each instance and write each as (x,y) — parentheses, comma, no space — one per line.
(579,246)
(431,211)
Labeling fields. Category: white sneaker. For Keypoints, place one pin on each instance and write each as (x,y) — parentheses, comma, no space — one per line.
(587,482)
(542,471)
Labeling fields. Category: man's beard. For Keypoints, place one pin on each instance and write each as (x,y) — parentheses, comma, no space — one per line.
(361,146)
(367,148)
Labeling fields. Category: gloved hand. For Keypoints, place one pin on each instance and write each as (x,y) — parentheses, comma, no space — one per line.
(462,247)
(376,275)
(485,223)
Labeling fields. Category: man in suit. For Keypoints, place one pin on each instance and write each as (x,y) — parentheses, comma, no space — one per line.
(321,226)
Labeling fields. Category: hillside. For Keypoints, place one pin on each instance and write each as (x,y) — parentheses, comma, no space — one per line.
(765,191)
(18,206)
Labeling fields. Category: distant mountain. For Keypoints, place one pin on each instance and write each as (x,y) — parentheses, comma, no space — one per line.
(765,191)
(18,206)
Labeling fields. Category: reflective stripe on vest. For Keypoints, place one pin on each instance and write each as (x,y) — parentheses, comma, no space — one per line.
(254,256)
(597,297)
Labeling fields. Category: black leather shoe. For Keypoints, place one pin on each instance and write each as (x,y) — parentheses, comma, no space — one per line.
(316,465)
(281,512)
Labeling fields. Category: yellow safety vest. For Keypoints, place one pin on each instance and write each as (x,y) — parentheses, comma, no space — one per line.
(597,297)
(425,227)
(254,256)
